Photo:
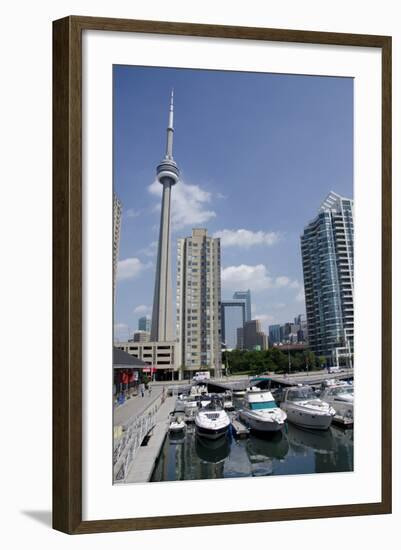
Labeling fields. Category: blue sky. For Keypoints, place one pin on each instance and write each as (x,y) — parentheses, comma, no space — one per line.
(258,153)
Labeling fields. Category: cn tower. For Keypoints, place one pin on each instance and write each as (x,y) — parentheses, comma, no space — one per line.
(168,175)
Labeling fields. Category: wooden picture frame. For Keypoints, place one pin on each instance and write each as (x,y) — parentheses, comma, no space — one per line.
(67,273)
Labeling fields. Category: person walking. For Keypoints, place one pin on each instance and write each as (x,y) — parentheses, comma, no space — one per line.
(150,389)
(142,389)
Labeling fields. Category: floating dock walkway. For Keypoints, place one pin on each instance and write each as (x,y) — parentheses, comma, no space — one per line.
(239,429)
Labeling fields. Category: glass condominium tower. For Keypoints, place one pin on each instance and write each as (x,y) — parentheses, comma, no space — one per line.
(327,247)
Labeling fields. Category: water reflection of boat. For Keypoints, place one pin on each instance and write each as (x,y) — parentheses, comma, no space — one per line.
(212,450)
(321,441)
(176,437)
(274,445)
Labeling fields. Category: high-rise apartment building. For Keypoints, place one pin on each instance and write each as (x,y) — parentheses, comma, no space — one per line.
(327,246)
(198,302)
(251,336)
(144,323)
(232,318)
(246,296)
(117,208)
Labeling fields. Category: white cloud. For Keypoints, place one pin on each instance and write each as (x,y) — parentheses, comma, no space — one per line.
(283,281)
(150,250)
(300,297)
(130,268)
(255,277)
(142,309)
(295,284)
(245,238)
(188,205)
(132,213)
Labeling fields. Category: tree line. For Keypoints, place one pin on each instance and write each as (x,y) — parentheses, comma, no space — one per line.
(271,360)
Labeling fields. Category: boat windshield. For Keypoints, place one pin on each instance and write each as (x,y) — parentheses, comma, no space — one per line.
(263,405)
(300,394)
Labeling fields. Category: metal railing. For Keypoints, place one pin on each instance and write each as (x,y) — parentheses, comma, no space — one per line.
(133,434)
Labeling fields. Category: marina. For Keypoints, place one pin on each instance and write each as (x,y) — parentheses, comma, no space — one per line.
(291,451)
(188,432)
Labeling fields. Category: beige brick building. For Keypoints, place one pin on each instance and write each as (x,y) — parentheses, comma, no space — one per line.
(198,303)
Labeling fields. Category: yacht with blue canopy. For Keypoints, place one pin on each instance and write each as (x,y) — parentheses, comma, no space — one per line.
(261,412)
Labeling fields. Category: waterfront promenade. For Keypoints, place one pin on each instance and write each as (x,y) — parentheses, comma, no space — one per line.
(135,406)
(152,413)
(146,456)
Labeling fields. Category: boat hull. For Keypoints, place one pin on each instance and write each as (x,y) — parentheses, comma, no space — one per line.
(210,433)
(307,419)
(260,425)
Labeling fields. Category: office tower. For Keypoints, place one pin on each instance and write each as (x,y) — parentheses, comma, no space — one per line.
(198,302)
(232,317)
(168,175)
(274,335)
(252,336)
(144,323)
(117,208)
(327,247)
(246,296)
(300,321)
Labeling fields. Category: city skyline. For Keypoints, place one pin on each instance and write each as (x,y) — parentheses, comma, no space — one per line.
(252,239)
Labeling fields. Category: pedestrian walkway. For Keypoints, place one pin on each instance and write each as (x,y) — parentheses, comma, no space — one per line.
(135,406)
(145,458)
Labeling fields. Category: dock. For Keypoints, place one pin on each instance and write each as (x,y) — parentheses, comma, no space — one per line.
(239,429)
(343,421)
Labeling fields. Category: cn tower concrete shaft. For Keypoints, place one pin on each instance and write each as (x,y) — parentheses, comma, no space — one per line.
(168,174)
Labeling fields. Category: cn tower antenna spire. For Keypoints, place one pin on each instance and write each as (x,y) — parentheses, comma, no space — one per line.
(170,128)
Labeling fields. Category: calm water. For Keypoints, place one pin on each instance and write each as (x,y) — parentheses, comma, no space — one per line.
(294,451)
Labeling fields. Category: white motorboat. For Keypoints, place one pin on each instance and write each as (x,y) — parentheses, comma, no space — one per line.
(261,412)
(341,397)
(304,409)
(212,421)
(177,425)
(199,389)
(228,401)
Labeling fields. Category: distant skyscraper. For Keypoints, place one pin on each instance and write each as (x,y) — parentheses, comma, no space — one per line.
(168,175)
(198,301)
(252,336)
(232,317)
(144,323)
(246,296)
(116,238)
(274,335)
(327,246)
